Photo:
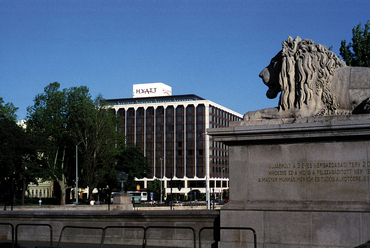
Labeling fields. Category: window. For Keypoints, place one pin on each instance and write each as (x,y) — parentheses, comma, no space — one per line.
(159,111)
(140,111)
(169,127)
(159,128)
(200,143)
(200,108)
(159,136)
(200,126)
(179,110)
(169,169)
(169,110)
(200,117)
(130,112)
(190,109)
(121,112)
(150,111)
(190,118)
(159,119)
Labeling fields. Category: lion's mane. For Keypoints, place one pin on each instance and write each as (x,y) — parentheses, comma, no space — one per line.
(307,69)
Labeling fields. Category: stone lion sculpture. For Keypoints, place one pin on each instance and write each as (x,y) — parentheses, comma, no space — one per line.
(312,81)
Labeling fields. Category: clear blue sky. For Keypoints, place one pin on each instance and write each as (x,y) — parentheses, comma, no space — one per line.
(212,48)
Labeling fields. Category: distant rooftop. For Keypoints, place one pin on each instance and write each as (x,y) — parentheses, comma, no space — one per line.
(159,99)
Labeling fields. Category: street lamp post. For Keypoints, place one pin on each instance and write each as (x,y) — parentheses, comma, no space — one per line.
(161,180)
(76,193)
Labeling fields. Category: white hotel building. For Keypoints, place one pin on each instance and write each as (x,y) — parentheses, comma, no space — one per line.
(171,131)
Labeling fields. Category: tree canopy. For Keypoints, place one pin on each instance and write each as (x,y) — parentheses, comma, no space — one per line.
(70,118)
(58,120)
(155,187)
(11,154)
(49,118)
(357,52)
(19,161)
(132,161)
(95,125)
(7,110)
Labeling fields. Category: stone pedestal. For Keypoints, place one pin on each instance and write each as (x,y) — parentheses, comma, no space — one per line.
(122,202)
(298,182)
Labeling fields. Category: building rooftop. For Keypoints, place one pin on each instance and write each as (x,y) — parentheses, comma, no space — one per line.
(159,99)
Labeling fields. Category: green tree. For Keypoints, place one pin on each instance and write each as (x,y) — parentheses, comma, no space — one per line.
(357,52)
(132,161)
(10,157)
(95,125)
(32,167)
(19,161)
(154,187)
(49,118)
(8,110)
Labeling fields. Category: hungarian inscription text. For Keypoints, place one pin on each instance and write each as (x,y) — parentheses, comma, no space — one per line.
(355,171)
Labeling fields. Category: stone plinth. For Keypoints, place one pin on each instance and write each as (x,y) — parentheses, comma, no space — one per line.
(122,202)
(299,182)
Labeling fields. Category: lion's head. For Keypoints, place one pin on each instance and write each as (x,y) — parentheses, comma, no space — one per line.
(302,71)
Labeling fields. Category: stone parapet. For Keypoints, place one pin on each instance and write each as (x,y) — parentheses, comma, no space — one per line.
(300,182)
(155,237)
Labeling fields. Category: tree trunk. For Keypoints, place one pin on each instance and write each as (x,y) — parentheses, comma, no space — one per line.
(63,188)
(90,194)
(23,192)
(62,183)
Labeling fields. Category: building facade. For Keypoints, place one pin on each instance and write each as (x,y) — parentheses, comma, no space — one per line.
(171,131)
(44,189)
